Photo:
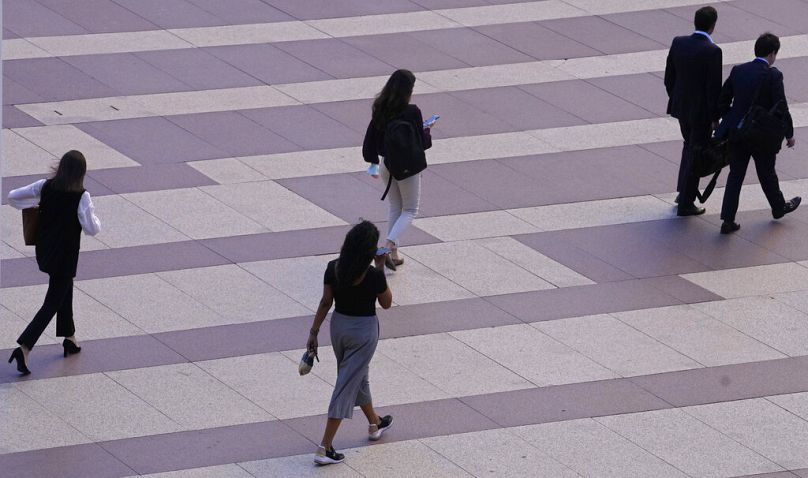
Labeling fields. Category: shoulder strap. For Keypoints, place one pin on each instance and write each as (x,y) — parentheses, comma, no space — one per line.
(387,189)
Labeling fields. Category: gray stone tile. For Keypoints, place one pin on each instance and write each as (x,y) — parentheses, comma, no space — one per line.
(602,35)
(472,47)
(538,41)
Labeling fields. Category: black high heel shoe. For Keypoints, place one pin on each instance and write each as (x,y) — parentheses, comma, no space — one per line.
(20,358)
(70,347)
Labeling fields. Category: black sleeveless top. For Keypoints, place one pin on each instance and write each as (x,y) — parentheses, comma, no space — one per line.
(59,236)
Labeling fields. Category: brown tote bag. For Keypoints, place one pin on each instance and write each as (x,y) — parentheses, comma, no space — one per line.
(30,225)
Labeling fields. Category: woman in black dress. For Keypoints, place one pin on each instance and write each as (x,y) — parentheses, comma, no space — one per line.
(65,209)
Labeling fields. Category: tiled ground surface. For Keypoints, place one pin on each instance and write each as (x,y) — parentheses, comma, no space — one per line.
(553,317)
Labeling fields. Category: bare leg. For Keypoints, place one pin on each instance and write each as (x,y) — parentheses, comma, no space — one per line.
(73,339)
(25,352)
(331,427)
(370,413)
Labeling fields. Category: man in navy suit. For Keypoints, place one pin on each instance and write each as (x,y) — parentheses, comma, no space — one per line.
(693,82)
(737,96)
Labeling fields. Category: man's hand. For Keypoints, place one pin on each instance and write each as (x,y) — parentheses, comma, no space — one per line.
(790,142)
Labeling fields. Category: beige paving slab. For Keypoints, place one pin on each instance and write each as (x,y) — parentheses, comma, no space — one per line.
(475,225)
(752,197)
(533,261)
(463,370)
(512,13)
(98,407)
(298,465)
(476,268)
(221,471)
(21,48)
(273,206)
(493,76)
(22,157)
(271,381)
(300,278)
(796,403)
(93,320)
(606,135)
(698,336)
(487,146)
(533,355)
(591,449)
(762,426)
(342,89)
(595,213)
(205,101)
(415,283)
(613,344)
(390,382)
(188,395)
(11,233)
(227,171)
(603,7)
(195,213)
(797,300)
(764,318)
(166,309)
(118,42)
(58,139)
(755,280)
(125,224)
(383,23)
(233,293)
(8,252)
(248,34)
(402,460)
(306,163)
(28,425)
(688,444)
(618,64)
(86,110)
(505,455)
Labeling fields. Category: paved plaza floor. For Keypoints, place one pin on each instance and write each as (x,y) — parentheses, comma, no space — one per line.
(553,318)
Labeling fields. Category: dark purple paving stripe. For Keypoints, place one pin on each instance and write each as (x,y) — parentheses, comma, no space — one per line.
(13,182)
(150,178)
(233,340)
(103,355)
(118,262)
(78,461)
(158,453)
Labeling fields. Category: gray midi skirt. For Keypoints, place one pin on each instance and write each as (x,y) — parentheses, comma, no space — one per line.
(354,341)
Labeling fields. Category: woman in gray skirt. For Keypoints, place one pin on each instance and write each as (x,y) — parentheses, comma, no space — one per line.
(354,285)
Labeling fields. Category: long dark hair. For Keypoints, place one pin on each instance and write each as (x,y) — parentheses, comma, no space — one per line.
(69,174)
(393,98)
(356,253)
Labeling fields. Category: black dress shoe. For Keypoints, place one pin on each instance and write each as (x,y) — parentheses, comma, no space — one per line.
(70,347)
(690,211)
(729,227)
(790,206)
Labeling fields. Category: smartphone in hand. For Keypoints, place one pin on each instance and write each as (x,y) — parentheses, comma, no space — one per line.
(382,251)
(430,121)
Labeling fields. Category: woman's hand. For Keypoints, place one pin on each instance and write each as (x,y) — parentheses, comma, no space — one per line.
(378,261)
(311,345)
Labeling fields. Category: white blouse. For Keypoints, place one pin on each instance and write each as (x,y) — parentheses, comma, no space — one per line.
(28,196)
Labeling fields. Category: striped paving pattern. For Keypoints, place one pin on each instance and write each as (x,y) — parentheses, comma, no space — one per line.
(554,317)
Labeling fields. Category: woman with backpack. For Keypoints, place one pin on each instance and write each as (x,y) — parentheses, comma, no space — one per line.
(355,286)
(65,209)
(391,110)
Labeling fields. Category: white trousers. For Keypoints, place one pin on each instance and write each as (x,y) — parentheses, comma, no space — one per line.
(403,197)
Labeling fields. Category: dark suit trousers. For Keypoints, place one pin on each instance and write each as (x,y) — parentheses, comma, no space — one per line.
(688,184)
(59,302)
(764,165)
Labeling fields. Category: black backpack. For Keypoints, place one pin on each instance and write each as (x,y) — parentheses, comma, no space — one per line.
(404,151)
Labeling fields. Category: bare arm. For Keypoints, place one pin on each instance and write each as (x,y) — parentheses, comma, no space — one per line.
(326,301)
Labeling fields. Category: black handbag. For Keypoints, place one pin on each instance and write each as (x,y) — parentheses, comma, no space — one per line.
(762,129)
(710,158)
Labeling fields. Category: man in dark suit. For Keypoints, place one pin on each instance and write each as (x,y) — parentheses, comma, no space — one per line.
(737,96)
(693,82)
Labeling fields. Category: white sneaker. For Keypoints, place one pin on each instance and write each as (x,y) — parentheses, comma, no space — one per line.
(327,457)
(375,431)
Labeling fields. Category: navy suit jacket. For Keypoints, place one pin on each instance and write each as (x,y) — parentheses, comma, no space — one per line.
(739,91)
(693,79)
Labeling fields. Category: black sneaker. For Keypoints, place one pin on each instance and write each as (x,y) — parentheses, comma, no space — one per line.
(327,457)
(375,431)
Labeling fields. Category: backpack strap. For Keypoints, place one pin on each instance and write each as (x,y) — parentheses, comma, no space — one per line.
(387,189)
